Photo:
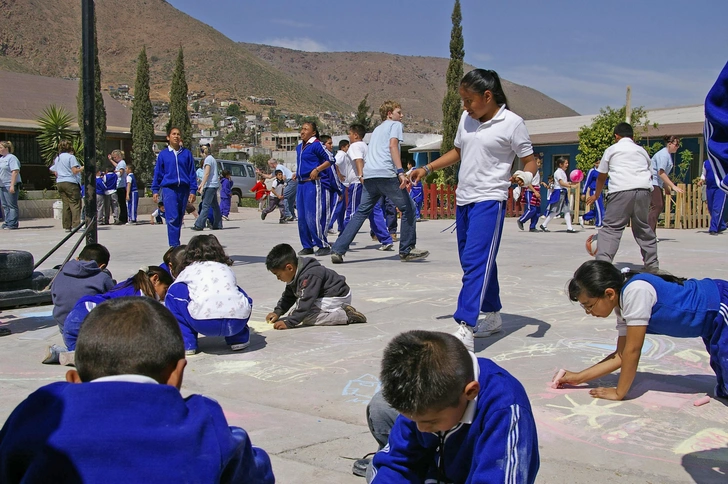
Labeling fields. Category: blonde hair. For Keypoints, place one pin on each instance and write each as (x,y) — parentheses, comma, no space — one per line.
(388,107)
(119,153)
(8,145)
(205,149)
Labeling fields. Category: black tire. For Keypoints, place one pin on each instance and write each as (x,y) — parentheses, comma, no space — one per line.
(15,265)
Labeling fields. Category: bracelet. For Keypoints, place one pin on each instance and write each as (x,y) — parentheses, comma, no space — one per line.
(400,171)
(427,169)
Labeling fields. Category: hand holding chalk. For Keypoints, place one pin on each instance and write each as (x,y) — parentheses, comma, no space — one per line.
(559,375)
(271,318)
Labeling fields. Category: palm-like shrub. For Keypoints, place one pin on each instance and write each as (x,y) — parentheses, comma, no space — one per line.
(55,125)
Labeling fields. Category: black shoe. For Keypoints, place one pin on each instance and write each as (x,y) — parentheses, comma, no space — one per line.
(337,258)
(360,465)
(196,228)
(263,215)
(543,229)
(305,252)
(520,224)
(570,231)
(323,251)
(414,254)
(713,233)
(533,230)
(282,221)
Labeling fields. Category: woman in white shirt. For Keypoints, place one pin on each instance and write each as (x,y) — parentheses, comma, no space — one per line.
(489,138)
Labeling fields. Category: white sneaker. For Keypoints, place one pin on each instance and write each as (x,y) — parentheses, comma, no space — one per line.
(239,346)
(465,334)
(581,222)
(489,324)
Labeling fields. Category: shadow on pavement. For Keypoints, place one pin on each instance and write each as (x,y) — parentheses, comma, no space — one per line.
(707,466)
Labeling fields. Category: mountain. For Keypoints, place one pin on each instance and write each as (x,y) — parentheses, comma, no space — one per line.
(43,37)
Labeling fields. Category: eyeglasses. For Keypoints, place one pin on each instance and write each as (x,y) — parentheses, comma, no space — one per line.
(590,307)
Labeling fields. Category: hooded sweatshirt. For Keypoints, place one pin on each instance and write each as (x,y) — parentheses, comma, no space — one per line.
(312,281)
(77,278)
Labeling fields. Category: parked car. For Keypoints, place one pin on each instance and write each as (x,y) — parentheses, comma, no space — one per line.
(243,173)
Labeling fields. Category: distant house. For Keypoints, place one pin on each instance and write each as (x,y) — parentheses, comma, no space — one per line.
(283,141)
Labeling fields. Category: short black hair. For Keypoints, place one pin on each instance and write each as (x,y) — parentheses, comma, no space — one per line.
(128,336)
(425,371)
(324,138)
(160,204)
(343,143)
(624,130)
(279,256)
(95,252)
(359,130)
(277,172)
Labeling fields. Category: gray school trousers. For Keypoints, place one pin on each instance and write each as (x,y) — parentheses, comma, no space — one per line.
(624,207)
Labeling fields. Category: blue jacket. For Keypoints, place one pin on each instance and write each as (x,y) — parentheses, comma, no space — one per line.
(110,181)
(121,431)
(499,446)
(175,171)
(100,185)
(312,156)
(77,278)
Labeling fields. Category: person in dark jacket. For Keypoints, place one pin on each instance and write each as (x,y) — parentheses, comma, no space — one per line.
(85,276)
(318,295)
(120,417)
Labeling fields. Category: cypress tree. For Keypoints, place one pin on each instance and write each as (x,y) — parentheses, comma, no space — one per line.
(178,115)
(142,123)
(100,109)
(363,116)
(451,109)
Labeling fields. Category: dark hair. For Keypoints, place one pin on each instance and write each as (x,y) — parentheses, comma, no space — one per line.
(324,138)
(624,130)
(128,336)
(481,80)
(279,256)
(171,127)
(561,160)
(204,248)
(314,126)
(425,371)
(343,143)
(95,252)
(65,146)
(358,129)
(225,173)
(176,259)
(130,167)
(141,281)
(277,172)
(670,139)
(160,204)
(594,277)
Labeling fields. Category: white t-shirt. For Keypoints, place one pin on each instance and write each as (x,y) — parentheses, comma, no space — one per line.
(357,151)
(637,301)
(487,151)
(629,166)
(346,168)
(379,159)
(560,174)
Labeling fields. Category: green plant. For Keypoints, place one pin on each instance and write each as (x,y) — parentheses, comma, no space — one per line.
(178,115)
(363,116)
(683,168)
(142,123)
(55,125)
(260,161)
(23,195)
(451,108)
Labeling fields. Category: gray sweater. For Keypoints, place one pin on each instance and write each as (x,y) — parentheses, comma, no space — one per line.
(77,278)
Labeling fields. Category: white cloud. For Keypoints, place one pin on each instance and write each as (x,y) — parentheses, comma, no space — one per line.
(482,57)
(291,23)
(303,43)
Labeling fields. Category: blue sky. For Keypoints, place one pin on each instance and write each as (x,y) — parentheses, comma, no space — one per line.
(582,53)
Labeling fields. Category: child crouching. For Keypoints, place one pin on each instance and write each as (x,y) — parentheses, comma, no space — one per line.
(121,418)
(321,296)
(205,297)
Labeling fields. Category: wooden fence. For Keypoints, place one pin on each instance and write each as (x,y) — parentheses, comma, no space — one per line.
(686,210)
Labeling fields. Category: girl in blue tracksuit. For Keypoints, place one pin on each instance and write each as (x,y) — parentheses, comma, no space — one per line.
(488,139)
(205,297)
(312,196)
(716,199)
(132,194)
(226,193)
(175,177)
(648,303)
(590,186)
(531,200)
(151,283)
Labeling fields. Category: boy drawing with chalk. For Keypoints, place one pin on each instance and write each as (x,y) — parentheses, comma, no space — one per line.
(318,295)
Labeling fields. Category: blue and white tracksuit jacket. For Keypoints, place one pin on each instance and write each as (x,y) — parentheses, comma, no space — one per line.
(175,177)
(590,186)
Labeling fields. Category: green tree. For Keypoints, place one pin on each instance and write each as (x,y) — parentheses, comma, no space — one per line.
(451,108)
(178,115)
(99,107)
(233,110)
(260,161)
(363,115)
(55,125)
(599,135)
(142,123)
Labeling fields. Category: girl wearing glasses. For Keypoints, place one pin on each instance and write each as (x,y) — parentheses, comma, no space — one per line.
(649,303)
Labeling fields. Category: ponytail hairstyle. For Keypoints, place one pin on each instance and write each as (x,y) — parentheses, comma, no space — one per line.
(594,277)
(202,248)
(481,80)
(205,149)
(141,281)
(314,126)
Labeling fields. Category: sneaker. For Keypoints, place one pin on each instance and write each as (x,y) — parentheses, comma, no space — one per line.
(67,358)
(337,258)
(361,465)
(225,217)
(386,247)
(465,334)
(305,252)
(353,316)
(322,251)
(332,232)
(291,219)
(520,224)
(263,215)
(196,228)
(711,232)
(240,346)
(570,231)
(282,221)
(581,221)
(52,356)
(543,228)
(414,254)
(489,324)
(190,352)
(533,230)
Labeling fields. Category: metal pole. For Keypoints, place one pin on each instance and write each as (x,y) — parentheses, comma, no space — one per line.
(89,117)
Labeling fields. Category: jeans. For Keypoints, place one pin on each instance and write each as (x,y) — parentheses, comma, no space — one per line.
(9,202)
(209,199)
(289,192)
(374,190)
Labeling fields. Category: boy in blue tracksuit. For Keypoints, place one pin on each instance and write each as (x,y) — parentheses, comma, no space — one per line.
(100,192)
(132,194)
(590,186)
(716,129)
(175,177)
(111,199)
(715,198)
(120,416)
(454,426)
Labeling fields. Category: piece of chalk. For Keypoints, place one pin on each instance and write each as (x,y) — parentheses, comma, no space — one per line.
(701,401)
(559,375)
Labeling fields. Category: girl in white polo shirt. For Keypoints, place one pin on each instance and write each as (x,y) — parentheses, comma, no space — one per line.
(488,139)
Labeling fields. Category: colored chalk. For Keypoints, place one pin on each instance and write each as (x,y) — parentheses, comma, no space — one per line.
(559,375)
(701,401)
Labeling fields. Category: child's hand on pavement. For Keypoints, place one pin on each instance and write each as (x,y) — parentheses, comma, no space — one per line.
(280,325)
(271,318)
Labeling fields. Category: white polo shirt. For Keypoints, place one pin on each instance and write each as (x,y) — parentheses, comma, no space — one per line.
(346,168)
(487,151)
(629,166)
(357,151)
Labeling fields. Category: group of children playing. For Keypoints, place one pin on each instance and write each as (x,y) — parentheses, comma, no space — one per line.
(107,200)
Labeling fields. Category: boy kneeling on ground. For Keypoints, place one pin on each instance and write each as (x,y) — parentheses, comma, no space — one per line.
(321,296)
(120,417)
(462,418)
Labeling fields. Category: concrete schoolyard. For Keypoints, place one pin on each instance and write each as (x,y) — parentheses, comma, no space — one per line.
(302,393)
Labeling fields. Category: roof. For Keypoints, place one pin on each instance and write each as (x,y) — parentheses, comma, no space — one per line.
(680,121)
(23,98)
